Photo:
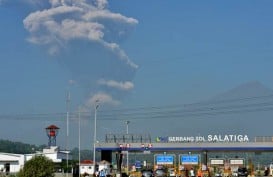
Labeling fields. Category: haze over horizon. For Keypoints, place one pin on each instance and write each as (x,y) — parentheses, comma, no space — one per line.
(188,68)
(227,113)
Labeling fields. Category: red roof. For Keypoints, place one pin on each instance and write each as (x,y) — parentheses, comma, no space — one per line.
(52,127)
(87,162)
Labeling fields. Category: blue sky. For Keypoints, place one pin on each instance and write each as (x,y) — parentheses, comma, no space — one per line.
(127,54)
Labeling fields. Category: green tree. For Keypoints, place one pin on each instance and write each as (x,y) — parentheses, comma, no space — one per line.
(38,166)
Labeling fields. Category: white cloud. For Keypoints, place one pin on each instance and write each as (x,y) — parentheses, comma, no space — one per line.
(72,20)
(121,54)
(105,14)
(102,98)
(84,35)
(115,84)
(37,20)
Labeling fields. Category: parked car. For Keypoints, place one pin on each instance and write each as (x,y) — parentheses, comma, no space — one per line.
(160,172)
(147,173)
(242,172)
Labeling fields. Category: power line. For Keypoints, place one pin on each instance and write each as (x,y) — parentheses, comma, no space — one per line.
(228,106)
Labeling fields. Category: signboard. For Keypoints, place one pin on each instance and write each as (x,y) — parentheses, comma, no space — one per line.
(189,159)
(208,138)
(164,159)
(236,161)
(217,162)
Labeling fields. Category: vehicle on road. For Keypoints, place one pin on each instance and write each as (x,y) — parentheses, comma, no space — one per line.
(161,173)
(242,172)
(147,173)
(218,174)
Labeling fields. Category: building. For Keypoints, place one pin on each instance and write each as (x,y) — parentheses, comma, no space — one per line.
(86,167)
(11,163)
(53,153)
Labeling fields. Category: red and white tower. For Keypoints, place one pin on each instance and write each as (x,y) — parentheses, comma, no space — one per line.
(52,132)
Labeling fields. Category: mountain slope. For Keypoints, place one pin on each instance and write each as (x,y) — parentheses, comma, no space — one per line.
(246,90)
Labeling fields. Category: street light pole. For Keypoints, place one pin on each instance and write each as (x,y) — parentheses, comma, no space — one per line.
(67,129)
(95,135)
(127,132)
(79,141)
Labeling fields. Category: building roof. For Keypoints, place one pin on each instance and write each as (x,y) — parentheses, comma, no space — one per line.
(86,162)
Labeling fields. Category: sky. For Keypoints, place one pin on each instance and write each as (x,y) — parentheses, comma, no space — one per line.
(132,57)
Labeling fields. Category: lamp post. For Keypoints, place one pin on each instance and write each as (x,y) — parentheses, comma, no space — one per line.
(79,141)
(95,134)
(127,132)
(67,129)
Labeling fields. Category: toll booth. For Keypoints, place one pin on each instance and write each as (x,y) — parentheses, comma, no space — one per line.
(164,160)
(188,162)
(217,166)
(236,163)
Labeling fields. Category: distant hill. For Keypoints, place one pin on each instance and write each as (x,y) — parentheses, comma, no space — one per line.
(245,90)
(18,147)
(246,109)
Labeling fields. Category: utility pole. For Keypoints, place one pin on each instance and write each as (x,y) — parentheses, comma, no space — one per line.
(127,132)
(95,134)
(67,129)
(79,141)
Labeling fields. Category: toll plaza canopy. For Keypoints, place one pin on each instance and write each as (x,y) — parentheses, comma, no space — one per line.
(133,142)
(184,152)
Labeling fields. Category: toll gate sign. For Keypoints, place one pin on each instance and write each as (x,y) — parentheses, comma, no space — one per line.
(164,160)
(189,159)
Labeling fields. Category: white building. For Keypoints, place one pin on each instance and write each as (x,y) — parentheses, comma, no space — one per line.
(86,166)
(52,153)
(12,163)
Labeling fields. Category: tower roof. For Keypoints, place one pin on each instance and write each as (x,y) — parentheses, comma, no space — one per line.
(52,127)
